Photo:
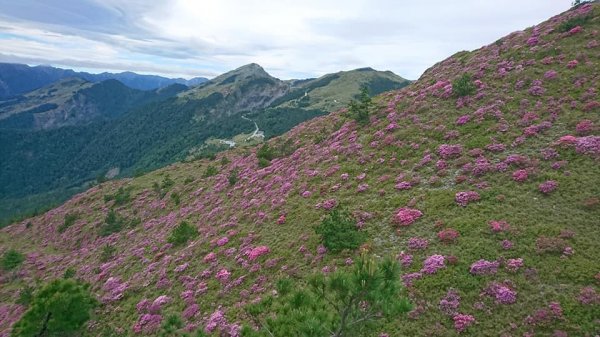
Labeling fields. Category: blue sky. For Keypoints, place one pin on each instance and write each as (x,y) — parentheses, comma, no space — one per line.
(290,39)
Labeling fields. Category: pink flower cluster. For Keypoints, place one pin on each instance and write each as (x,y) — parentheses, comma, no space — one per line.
(417,243)
(462,120)
(406,216)
(217,319)
(546,316)
(550,74)
(210,257)
(502,293)
(405,259)
(588,145)
(484,267)
(114,288)
(536,88)
(450,303)
(532,41)
(514,264)
(548,186)
(150,320)
(584,127)
(588,296)
(462,322)
(448,235)
(450,151)
(499,226)
(464,198)
(223,275)
(520,175)
(433,263)
(148,323)
(327,204)
(257,252)
(403,185)
(222,241)
(191,311)
(575,30)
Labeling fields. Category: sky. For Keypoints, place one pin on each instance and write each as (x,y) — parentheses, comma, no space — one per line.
(289,38)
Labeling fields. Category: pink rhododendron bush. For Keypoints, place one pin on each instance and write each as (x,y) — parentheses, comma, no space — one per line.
(486,193)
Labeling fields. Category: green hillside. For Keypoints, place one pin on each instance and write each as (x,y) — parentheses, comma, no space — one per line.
(60,139)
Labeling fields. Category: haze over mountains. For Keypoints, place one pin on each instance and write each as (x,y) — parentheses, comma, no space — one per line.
(57,139)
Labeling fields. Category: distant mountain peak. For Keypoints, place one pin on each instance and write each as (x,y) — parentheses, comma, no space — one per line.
(251,70)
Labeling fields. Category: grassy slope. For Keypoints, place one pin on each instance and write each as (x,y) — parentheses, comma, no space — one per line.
(331,145)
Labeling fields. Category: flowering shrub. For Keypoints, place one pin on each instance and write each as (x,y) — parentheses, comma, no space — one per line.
(514,264)
(362,187)
(462,120)
(433,263)
(447,151)
(499,226)
(572,64)
(588,145)
(550,74)
(588,296)
(223,275)
(584,127)
(462,322)
(532,41)
(148,323)
(222,241)
(464,198)
(114,288)
(216,320)
(502,293)
(408,279)
(181,267)
(191,311)
(327,204)
(405,259)
(257,252)
(448,235)
(450,303)
(546,316)
(403,185)
(483,267)
(548,186)
(210,257)
(143,305)
(520,176)
(406,216)
(417,243)
(536,88)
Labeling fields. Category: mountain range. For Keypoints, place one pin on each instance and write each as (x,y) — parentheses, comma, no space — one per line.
(58,139)
(17,79)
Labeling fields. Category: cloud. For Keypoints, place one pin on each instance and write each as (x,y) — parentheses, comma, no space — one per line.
(289,38)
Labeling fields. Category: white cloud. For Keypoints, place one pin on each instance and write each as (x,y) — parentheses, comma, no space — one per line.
(288,38)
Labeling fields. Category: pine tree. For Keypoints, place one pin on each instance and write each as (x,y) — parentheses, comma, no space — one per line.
(61,308)
(343,304)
